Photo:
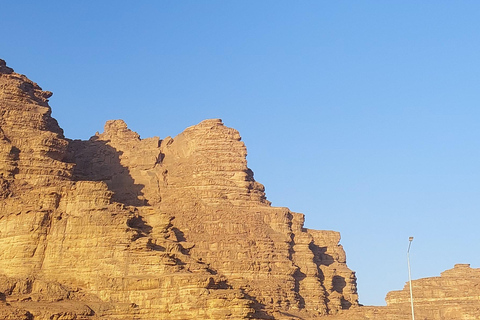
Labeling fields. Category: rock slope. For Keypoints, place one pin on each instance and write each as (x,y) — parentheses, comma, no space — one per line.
(119,227)
(455,295)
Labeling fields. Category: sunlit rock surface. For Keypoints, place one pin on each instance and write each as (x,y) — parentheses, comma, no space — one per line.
(455,295)
(119,227)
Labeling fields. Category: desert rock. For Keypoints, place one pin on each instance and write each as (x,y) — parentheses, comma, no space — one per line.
(455,295)
(119,227)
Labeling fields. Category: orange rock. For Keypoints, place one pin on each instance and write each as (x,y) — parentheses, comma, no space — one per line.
(119,227)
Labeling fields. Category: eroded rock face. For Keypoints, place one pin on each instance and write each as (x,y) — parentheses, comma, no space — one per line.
(119,227)
(67,251)
(455,295)
(220,213)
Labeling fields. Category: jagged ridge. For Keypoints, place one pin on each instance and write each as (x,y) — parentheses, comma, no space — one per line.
(120,227)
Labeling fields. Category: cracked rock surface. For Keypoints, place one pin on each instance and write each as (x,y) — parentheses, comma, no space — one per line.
(119,227)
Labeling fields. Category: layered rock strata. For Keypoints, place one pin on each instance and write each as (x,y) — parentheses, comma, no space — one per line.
(69,252)
(119,227)
(220,214)
(455,295)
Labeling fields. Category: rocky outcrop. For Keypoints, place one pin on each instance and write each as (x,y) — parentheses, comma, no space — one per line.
(453,295)
(67,251)
(119,227)
(220,214)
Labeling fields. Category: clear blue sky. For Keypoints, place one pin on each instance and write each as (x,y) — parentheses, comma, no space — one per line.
(364,115)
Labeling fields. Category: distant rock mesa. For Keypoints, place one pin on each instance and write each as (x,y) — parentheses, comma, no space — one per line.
(455,295)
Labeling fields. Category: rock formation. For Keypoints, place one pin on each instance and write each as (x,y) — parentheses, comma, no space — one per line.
(455,295)
(119,227)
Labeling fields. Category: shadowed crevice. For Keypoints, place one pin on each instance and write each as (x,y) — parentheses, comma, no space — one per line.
(95,160)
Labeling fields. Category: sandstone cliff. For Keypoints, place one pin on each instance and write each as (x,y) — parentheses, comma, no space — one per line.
(119,227)
(455,295)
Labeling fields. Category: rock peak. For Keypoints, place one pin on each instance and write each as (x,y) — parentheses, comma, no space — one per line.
(117,130)
(209,122)
(149,229)
(4,68)
(119,227)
